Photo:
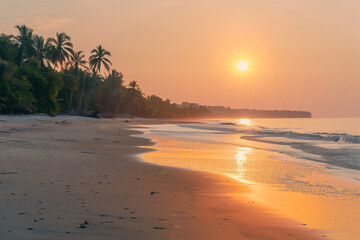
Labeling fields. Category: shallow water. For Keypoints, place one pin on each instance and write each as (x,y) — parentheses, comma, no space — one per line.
(303,169)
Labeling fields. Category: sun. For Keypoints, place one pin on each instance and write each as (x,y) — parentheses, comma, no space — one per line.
(242,66)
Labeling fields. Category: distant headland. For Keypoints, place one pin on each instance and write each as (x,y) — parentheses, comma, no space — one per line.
(227,112)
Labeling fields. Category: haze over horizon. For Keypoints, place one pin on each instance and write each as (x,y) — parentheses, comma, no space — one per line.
(302,55)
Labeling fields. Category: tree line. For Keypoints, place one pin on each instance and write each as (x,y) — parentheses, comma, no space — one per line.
(39,75)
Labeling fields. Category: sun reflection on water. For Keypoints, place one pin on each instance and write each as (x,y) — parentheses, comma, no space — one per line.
(244,121)
(241,157)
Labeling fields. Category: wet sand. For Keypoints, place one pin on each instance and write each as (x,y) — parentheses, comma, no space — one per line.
(57,173)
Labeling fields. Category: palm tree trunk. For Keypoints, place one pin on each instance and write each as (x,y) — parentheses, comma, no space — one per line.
(71,97)
(88,98)
(81,97)
(21,59)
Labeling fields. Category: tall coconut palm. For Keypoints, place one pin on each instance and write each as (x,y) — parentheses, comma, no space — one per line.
(134,85)
(25,43)
(60,49)
(41,49)
(134,99)
(98,58)
(112,92)
(77,61)
(90,82)
(93,83)
(7,47)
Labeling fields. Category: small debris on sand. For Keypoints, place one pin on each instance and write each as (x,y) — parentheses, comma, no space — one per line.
(81,225)
(88,152)
(159,228)
(8,173)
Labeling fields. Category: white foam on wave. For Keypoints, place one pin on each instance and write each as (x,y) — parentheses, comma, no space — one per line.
(345,153)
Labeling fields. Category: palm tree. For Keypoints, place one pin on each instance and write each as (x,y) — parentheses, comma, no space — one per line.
(115,79)
(41,49)
(134,85)
(7,47)
(92,84)
(112,92)
(60,49)
(83,77)
(98,58)
(25,43)
(77,60)
(134,99)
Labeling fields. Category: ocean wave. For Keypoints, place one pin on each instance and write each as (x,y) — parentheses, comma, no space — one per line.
(343,156)
(334,137)
(259,130)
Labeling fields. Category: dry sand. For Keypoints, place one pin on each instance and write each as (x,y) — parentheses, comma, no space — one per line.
(55,173)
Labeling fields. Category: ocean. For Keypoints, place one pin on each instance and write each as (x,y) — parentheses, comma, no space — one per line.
(288,162)
(332,141)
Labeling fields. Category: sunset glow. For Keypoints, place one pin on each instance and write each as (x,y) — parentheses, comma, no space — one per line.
(213,43)
(181,119)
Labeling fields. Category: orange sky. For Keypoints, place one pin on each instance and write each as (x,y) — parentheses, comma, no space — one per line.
(303,54)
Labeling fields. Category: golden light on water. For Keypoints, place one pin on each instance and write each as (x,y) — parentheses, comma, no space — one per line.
(244,121)
(241,157)
(242,66)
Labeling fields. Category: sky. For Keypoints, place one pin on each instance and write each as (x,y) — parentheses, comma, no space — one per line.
(302,54)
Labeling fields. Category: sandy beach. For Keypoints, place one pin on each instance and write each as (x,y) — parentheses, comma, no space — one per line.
(57,173)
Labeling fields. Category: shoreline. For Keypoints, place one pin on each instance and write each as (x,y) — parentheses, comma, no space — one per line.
(316,195)
(91,170)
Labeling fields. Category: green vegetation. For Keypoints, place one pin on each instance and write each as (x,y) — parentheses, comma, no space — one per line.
(49,76)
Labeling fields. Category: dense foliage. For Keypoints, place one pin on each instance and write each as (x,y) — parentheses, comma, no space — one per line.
(49,76)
